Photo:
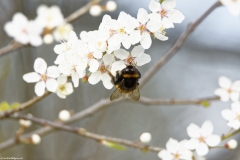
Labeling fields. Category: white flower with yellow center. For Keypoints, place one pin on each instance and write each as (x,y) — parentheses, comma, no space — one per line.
(24,31)
(64,88)
(44,76)
(202,138)
(175,151)
(233,115)
(102,72)
(165,12)
(136,57)
(228,90)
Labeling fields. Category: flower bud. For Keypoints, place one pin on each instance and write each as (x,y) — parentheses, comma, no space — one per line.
(48,39)
(111,6)
(64,115)
(25,123)
(95,10)
(232,144)
(145,137)
(35,139)
(85,79)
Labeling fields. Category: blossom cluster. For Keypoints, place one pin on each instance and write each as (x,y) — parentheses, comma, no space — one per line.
(233,6)
(95,54)
(48,25)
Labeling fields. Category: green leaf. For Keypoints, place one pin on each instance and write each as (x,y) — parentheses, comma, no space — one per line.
(113,145)
(161,1)
(4,106)
(205,104)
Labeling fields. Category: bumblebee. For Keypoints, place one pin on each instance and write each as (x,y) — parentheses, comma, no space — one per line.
(126,83)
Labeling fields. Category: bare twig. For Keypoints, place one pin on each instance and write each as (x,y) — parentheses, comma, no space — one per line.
(177,45)
(72,17)
(84,133)
(24,105)
(200,101)
(228,135)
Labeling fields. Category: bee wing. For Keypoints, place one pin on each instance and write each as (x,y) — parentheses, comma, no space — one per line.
(135,95)
(116,94)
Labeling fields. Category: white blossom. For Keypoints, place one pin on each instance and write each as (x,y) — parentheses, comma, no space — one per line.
(95,10)
(49,17)
(228,90)
(233,115)
(136,57)
(64,88)
(111,6)
(202,138)
(102,72)
(35,139)
(44,76)
(145,137)
(175,151)
(64,115)
(165,13)
(61,33)
(24,31)
(232,144)
(25,123)
(233,6)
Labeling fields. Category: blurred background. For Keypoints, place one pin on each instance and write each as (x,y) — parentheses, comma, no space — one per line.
(211,51)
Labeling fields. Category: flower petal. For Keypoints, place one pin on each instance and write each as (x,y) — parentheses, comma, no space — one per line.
(193,131)
(75,79)
(202,149)
(146,40)
(236,86)
(137,51)
(108,59)
(224,82)
(126,41)
(167,23)
(213,140)
(95,77)
(154,6)
(40,66)
(117,66)
(135,37)
(31,77)
(160,36)
(142,16)
(228,114)
(175,16)
(121,54)
(236,107)
(94,64)
(51,85)
(207,128)
(69,88)
(234,124)
(169,4)
(224,95)
(52,72)
(172,146)
(142,59)
(107,81)
(40,88)
(62,79)
(165,155)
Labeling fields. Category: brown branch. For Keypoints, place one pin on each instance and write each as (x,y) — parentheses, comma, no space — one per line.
(200,101)
(72,17)
(24,105)
(177,45)
(84,133)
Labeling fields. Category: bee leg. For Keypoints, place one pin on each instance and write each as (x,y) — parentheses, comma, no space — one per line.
(139,74)
(118,78)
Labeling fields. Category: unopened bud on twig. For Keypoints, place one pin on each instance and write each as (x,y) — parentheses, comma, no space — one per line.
(111,6)
(95,10)
(35,139)
(145,137)
(25,123)
(232,144)
(64,115)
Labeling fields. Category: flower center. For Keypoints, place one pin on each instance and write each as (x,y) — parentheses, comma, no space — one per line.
(24,31)
(142,28)
(112,32)
(201,139)
(176,156)
(162,30)
(62,87)
(163,13)
(90,56)
(122,31)
(44,77)
(229,91)
(102,69)
(129,60)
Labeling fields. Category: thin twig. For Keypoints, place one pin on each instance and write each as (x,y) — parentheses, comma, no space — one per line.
(84,133)
(177,45)
(24,105)
(200,101)
(72,17)
(228,135)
